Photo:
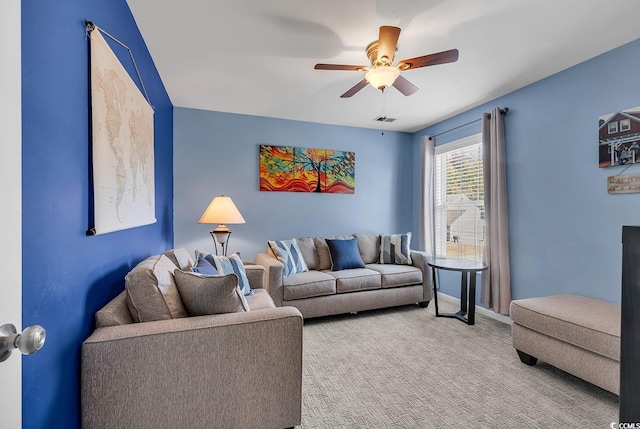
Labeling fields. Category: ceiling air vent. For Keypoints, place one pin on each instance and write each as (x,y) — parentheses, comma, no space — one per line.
(384,119)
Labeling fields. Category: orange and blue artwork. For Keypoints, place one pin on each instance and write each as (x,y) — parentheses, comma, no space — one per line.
(297,169)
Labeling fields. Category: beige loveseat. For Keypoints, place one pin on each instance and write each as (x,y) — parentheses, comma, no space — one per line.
(234,370)
(320,291)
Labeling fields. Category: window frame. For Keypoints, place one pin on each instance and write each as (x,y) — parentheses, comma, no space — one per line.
(625,125)
(442,232)
(612,127)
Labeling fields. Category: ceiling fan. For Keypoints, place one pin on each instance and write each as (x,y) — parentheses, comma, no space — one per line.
(382,73)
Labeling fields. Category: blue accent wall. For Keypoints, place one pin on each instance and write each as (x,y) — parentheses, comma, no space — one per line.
(565,229)
(68,276)
(217,153)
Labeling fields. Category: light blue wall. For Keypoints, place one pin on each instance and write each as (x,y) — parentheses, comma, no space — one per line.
(565,229)
(217,153)
(68,276)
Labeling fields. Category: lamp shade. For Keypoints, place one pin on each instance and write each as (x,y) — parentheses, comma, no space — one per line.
(221,210)
(382,76)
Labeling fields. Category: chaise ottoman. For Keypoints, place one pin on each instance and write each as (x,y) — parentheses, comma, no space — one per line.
(577,334)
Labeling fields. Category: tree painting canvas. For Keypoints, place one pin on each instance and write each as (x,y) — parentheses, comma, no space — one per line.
(296,169)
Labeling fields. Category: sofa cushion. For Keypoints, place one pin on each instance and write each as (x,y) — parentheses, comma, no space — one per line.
(114,313)
(344,254)
(152,293)
(307,246)
(397,275)
(204,267)
(289,254)
(259,300)
(356,279)
(308,284)
(322,250)
(369,246)
(180,257)
(230,265)
(394,249)
(203,295)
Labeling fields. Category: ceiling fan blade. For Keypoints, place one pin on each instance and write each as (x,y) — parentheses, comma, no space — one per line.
(404,86)
(387,42)
(358,86)
(443,57)
(340,67)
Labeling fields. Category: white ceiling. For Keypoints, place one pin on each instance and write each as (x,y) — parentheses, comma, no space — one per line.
(256,57)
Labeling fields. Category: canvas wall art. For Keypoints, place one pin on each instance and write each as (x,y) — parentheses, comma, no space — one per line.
(619,138)
(297,169)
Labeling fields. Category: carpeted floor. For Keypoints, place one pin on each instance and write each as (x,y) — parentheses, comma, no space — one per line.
(403,368)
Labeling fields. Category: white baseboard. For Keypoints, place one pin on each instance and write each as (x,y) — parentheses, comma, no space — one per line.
(479,310)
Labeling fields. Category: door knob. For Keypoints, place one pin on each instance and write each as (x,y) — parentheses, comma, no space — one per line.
(29,341)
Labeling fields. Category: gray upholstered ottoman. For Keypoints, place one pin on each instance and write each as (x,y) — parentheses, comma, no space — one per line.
(576,334)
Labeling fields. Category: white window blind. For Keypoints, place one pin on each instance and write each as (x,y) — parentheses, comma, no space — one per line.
(460,224)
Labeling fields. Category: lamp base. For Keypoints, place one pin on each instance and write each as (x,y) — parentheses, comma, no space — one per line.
(221,235)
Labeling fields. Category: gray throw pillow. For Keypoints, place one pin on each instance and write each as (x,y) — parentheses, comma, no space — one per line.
(151,291)
(204,295)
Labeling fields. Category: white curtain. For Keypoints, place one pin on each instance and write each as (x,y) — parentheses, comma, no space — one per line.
(496,282)
(426,227)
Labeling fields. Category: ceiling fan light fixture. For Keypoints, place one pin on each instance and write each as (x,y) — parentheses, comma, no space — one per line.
(382,77)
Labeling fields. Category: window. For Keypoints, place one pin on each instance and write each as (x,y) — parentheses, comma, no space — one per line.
(459,199)
(625,125)
(613,127)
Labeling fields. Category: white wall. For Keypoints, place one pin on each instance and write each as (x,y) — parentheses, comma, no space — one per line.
(11,197)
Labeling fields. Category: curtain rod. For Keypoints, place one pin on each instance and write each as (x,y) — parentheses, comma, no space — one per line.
(503,111)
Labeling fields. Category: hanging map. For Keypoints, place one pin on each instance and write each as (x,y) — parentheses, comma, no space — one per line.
(122,143)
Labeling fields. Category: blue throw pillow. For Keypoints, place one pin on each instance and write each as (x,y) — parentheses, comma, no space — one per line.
(344,254)
(204,267)
(231,265)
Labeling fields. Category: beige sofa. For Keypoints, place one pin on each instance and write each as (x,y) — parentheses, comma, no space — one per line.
(234,370)
(321,291)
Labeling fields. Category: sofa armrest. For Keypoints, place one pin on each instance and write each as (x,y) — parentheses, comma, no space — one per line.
(419,260)
(257,276)
(274,269)
(227,370)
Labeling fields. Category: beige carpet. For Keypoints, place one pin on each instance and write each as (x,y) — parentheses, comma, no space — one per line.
(403,368)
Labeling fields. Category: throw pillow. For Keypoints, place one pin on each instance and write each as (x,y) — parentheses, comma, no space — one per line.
(394,249)
(344,254)
(204,267)
(231,265)
(203,295)
(289,254)
(180,256)
(151,291)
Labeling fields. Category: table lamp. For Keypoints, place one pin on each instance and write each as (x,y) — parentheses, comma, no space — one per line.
(221,211)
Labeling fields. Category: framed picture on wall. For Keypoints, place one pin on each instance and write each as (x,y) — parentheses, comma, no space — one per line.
(619,138)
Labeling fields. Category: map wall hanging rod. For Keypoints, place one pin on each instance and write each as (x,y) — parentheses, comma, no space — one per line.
(91,27)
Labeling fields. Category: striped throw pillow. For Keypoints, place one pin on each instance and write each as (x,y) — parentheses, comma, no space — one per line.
(289,254)
(231,265)
(394,249)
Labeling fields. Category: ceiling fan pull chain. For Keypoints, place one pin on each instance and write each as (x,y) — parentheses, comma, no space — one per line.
(384,110)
